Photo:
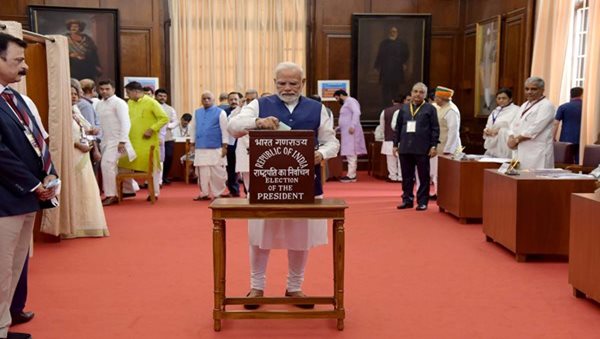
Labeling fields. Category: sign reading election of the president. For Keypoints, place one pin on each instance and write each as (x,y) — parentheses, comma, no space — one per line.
(282,168)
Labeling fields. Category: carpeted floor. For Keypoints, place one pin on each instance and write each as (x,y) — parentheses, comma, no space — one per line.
(409,274)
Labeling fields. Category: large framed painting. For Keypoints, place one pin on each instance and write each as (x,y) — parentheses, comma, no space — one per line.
(93,36)
(390,53)
(487,66)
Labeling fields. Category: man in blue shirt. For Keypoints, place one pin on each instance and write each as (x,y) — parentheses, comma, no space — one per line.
(570,115)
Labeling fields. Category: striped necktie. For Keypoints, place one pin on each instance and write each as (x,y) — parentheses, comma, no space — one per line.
(11,100)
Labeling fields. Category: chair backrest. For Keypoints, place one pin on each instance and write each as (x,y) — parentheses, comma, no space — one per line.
(151,160)
(563,152)
(591,155)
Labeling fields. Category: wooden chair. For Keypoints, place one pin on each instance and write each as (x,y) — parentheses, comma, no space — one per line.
(591,160)
(139,175)
(564,153)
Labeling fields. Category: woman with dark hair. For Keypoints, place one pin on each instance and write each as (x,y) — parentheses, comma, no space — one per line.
(498,123)
(83,54)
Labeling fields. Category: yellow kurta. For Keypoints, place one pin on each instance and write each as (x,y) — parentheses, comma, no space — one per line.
(144,113)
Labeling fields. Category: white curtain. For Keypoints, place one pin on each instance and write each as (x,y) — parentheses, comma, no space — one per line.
(57,220)
(232,45)
(590,121)
(552,41)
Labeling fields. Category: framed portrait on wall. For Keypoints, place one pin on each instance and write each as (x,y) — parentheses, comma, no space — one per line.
(390,53)
(93,36)
(487,65)
(326,88)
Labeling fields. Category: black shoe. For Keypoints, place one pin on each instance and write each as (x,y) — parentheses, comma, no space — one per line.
(128,195)
(149,198)
(421,207)
(166,181)
(21,317)
(15,335)
(433,197)
(254,293)
(299,294)
(405,205)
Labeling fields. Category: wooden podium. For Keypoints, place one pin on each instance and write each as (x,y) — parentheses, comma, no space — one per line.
(238,208)
(282,186)
(460,187)
(529,214)
(584,253)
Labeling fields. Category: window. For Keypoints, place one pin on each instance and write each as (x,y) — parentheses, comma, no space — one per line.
(581,24)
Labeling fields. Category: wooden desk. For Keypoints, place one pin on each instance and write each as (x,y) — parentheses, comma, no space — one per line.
(529,214)
(237,208)
(584,249)
(377,161)
(460,187)
(177,171)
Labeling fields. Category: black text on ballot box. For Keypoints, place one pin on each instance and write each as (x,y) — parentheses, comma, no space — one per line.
(282,168)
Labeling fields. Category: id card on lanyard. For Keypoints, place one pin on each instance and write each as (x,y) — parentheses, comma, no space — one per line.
(411,125)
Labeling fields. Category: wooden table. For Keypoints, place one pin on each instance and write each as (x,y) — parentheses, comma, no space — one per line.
(460,187)
(528,214)
(177,171)
(237,208)
(584,249)
(377,161)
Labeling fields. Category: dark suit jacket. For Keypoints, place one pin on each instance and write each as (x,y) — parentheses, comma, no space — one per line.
(20,167)
(427,132)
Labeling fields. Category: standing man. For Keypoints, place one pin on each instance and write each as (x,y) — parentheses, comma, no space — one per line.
(385,120)
(417,134)
(391,59)
(223,101)
(531,130)
(147,118)
(211,139)
(251,94)
(233,185)
(297,236)
(114,121)
(353,139)
(88,86)
(449,120)
(26,172)
(570,115)
(165,135)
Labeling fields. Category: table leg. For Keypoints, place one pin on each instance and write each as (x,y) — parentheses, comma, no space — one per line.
(218,270)
(338,269)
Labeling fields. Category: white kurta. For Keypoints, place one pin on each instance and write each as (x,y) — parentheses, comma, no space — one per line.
(113,114)
(536,123)
(288,234)
(501,119)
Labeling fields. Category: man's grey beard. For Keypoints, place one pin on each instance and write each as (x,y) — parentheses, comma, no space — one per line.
(289,99)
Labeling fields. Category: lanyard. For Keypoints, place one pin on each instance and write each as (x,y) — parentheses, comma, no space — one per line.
(413,113)
(495,116)
(529,107)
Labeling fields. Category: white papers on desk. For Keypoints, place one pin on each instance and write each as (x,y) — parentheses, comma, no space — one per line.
(496,160)
(566,175)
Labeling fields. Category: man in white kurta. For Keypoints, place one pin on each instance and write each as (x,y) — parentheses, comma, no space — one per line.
(165,135)
(297,236)
(210,137)
(113,114)
(387,121)
(531,130)
(449,119)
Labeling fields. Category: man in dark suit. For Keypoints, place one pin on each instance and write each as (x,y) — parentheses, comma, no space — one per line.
(417,134)
(26,173)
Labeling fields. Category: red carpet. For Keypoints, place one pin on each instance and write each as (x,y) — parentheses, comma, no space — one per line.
(408,275)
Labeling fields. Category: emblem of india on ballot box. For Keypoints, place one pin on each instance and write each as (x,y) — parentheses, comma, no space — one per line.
(282,168)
